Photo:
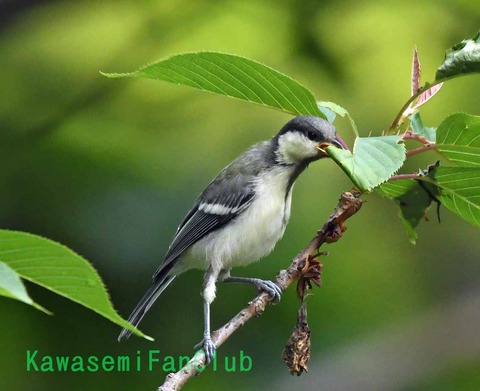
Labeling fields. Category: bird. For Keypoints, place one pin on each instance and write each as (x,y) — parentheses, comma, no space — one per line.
(240,216)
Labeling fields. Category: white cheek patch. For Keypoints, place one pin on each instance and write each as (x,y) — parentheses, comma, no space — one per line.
(294,147)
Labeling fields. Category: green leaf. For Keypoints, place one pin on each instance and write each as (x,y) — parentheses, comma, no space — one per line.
(419,128)
(463,58)
(458,138)
(11,286)
(413,198)
(233,76)
(60,270)
(460,191)
(340,111)
(374,160)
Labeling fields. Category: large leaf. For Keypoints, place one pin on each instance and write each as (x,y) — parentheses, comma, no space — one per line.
(233,76)
(463,58)
(460,191)
(57,268)
(458,138)
(11,286)
(373,161)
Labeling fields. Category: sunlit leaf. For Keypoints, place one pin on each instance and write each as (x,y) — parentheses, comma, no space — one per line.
(58,269)
(374,160)
(232,76)
(463,58)
(11,286)
(458,138)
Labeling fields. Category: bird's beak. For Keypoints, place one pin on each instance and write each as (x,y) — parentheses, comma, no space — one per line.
(337,142)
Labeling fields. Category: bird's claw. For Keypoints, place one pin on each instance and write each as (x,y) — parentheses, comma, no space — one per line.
(270,287)
(208,347)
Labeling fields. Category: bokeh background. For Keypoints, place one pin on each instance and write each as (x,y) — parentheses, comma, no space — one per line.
(109,167)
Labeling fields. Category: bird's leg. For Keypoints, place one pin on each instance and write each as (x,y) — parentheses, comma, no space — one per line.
(208,296)
(207,343)
(262,285)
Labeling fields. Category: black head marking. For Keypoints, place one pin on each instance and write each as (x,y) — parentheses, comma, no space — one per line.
(314,128)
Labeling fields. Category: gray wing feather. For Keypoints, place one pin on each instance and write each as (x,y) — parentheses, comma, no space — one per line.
(199,223)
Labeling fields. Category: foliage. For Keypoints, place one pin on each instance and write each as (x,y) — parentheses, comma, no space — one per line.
(373,161)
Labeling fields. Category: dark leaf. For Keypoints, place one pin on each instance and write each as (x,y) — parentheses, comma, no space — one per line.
(463,58)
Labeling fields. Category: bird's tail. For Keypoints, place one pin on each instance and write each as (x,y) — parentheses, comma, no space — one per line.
(160,283)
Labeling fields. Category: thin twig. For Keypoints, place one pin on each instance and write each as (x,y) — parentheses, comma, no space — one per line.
(331,231)
(418,150)
(427,144)
(409,135)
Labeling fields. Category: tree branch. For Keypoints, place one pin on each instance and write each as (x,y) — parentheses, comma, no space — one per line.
(331,231)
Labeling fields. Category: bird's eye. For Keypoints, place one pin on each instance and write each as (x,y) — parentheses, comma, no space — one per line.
(312,135)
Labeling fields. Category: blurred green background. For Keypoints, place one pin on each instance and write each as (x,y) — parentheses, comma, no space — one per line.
(109,167)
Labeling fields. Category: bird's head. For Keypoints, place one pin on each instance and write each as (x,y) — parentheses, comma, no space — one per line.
(304,139)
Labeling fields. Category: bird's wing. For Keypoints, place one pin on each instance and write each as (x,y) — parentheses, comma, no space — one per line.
(225,198)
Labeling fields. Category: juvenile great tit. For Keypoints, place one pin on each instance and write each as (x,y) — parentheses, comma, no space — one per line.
(240,216)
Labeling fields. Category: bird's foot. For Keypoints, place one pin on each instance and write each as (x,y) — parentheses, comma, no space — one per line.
(270,287)
(208,347)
